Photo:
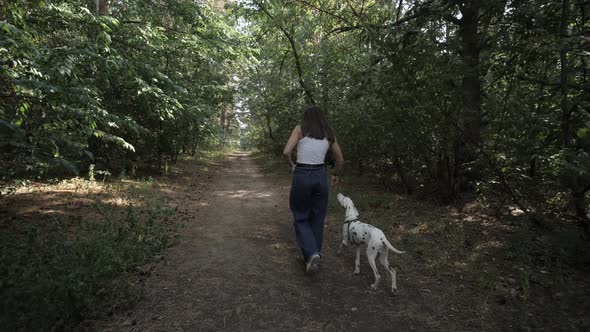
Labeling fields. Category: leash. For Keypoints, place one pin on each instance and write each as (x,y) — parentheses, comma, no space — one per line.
(350,239)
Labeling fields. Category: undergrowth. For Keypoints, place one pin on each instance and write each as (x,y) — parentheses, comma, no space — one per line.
(473,269)
(58,272)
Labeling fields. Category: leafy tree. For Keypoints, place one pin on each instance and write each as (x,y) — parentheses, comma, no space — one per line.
(122,86)
(441,98)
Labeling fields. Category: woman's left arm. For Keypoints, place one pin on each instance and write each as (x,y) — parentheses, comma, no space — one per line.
(335,148)
(291,144)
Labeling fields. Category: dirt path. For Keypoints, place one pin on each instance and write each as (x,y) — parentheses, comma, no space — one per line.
(236,267)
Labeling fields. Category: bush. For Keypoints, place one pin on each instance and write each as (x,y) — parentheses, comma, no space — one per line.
(56,274)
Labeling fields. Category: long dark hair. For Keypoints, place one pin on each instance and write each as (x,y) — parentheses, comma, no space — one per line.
(315,125)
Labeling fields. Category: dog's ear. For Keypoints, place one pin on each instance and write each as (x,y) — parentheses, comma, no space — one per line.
(351,210)
(341,199)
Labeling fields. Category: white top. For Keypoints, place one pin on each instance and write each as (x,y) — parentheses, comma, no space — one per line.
(312,151)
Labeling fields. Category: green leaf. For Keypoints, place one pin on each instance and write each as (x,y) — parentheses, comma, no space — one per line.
(105,37)
(582,132)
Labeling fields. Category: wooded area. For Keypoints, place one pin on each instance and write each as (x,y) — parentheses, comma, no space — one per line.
(440,98)
(119,85)
(465,126)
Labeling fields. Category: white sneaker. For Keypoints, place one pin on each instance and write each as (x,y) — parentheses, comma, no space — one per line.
(313,264)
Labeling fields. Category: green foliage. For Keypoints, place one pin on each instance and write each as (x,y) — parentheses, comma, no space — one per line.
(392,81)
(55,275)
(138,86)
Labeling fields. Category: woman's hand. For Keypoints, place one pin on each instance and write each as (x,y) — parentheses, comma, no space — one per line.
(335,180)
(292,168)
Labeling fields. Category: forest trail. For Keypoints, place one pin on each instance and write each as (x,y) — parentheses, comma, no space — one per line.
(236,267)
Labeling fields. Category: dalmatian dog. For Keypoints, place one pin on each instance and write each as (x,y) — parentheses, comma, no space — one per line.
(356,233)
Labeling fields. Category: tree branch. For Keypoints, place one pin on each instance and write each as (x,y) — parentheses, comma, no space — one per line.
(352,9)
(343,19)
(131,22)
(554,84)
(344,29)
(399,22)
(295,53)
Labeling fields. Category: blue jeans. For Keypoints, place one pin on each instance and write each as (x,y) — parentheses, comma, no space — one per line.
(309,202)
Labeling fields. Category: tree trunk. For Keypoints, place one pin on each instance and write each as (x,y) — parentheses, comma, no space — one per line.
(269,127)
(222,125)
(103,7)
(228,123)
(470,92)
(402,175)
(565,111)
(446,181)
(579,199)
(304,86)
(289,36)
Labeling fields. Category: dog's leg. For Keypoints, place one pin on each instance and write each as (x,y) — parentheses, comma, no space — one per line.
(385,263)
(371,255)
(340,248)
(357,262)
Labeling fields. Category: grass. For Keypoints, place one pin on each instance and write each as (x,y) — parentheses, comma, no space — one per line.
(214,155)
(73,257)
(469,268)
(270,164)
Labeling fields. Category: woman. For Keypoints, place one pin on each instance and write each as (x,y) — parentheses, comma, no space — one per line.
(309,190)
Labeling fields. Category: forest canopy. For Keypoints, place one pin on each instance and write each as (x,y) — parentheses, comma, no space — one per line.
(119,85)
(439,98)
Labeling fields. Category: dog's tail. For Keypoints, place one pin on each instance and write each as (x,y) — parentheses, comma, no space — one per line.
(386,242)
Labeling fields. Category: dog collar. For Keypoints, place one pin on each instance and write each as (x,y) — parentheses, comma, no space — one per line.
(349,222)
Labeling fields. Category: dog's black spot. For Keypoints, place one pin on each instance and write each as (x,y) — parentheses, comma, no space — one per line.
(381,239)
(354,233)
(373,248)
(365,232)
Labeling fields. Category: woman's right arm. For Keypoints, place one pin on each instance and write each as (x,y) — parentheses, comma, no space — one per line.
(291,144)
(337,153)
